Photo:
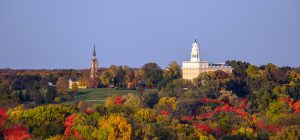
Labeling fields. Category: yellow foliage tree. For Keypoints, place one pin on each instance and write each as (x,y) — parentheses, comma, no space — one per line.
(132,101)
(246,132)
(109,101)
(74,87)
(203,136)
(80,104)
(113,127)
(166,103)
(145,115)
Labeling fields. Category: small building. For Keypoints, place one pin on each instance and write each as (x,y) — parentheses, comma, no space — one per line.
(50,84)
(80,84)
(191,69)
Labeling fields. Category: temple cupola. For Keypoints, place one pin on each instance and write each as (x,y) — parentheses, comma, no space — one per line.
(195,53)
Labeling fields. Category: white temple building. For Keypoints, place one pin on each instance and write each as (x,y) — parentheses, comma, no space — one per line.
(191,69)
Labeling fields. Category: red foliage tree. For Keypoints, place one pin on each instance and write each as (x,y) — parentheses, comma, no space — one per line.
(17,132)
(3,117)
(270,128)
(208,100)
(296,106)
(89,111)
(285,100)
(118,100)
(240,109)
(218,131)
(187,118)
(243,104)
(289,101)
(165,112)
(69,125)
(228,108)
(203,127)
(77,135)
(206,115)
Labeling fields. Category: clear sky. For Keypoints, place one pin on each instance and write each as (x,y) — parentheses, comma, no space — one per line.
(61,33)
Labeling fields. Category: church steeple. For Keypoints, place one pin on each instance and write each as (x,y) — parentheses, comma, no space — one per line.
(94,52)
(94,71)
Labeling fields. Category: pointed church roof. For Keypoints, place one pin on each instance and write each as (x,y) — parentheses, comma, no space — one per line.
(94,53)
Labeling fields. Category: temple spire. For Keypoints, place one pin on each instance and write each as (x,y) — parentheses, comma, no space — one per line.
(94,53)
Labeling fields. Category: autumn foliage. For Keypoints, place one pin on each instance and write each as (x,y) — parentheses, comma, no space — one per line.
(3,117)
(296,106)
(118,100)
(203,127)
(164,112)
(69,123)
(224,107)
(17,132)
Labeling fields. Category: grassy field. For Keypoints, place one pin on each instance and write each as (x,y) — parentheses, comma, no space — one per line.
(98,96)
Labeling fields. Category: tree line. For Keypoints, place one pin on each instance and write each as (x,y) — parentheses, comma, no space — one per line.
(253,102)
(47,86)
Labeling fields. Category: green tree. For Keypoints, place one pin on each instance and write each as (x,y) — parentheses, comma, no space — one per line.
(107,78)
(120,77)
(129,77)
(42,121)
(239,67)
(74,89)
(4,94)
(61,86)
(152,74)
(289,133)
(86,124)
(145,115)
(175,88)
(277,107)
(186,108)
(252,71)
(167,103)
(245,133)
(50,94)
(38,97)
(172,72)
(21,96)
(133,102)
(150,99)
(27,95)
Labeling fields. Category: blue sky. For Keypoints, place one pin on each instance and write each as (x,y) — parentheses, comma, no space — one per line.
(60,34)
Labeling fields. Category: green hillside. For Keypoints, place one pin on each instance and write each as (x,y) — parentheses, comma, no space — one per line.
(99,95)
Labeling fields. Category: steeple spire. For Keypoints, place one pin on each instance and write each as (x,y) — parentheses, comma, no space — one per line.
(94,71)
(94,53)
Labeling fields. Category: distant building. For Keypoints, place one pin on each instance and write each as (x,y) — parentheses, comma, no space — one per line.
(50,84)
(94,76)
(80,84)
(191,69)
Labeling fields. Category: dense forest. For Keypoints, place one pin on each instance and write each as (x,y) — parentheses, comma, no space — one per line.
(253,102)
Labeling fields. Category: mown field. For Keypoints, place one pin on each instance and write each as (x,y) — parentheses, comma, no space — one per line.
(98,96)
